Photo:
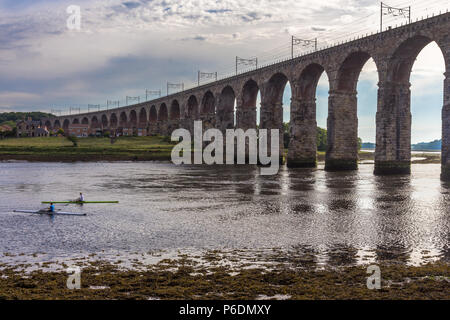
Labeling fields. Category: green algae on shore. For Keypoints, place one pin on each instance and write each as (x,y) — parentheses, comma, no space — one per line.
(187,278)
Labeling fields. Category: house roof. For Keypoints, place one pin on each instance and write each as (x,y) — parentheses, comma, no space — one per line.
(5,128)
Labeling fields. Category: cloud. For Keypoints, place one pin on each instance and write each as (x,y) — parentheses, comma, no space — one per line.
(131,5)
(318,29)
(126,46)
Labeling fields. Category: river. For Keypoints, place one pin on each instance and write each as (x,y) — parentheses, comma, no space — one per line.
(168,207)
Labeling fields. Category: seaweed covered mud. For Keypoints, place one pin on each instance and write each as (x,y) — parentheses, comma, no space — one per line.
(221,275)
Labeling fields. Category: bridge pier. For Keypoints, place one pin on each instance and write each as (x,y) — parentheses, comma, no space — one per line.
(245,117)
(303,134)
(342,132)
(393,148)
(272,118)
(445,153)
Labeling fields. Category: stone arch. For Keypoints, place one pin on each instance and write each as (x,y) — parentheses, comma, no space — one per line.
(113,121)
(66,124)
(143,118)
(133,118)
(85,120)
(104,121)
(225,109)
(48,124)
(303,124)
(350,69)
(342,131)
(174,110)
(57,124)
(76,121)
(153,114)
(393,145)
(94,122)
(246,108)
(307,82)
(192,108)
(402,61)
(274,88)
(271,116)
(123,119)
(208,104)
(163,114)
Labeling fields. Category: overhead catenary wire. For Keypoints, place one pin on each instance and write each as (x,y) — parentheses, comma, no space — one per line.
(329,37)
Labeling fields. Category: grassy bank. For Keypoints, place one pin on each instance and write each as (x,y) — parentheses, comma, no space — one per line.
(188,279)
(125,148)
(88,149)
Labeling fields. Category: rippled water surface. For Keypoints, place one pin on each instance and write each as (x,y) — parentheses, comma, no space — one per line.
(166,207)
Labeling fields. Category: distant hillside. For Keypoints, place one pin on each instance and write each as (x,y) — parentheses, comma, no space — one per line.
(433,145)
(368,145)
(12,117)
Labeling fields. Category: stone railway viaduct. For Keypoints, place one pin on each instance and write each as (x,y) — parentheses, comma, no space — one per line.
(394,52)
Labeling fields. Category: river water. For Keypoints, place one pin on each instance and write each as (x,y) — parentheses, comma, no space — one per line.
(168,207)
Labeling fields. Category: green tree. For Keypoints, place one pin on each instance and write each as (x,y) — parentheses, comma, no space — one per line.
(321,139)
(73,139)
(14,116)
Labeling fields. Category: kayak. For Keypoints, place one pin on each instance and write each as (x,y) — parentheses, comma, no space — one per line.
(79,202)
(51,213)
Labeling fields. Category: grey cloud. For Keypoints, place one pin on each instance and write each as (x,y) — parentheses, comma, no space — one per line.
(131,5)
(197,38)
(218,10)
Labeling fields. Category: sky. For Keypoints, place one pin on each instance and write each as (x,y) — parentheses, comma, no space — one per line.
(124,47)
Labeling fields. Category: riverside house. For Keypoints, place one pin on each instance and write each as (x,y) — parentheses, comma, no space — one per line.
(31,128)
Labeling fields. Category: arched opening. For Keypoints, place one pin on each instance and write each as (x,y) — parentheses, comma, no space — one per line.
(104,121)
(192,107)
(85,121)
(246,113)
(142,118)
(48,124)
(426,98)
(94,122)
(123,119)
(208,104)
(225,109)
(394,120)
(306,116)
(271,114)
(66,125)
(208,110)
(133,118)
(163,114)
(153,114)
(76,121)
(113,120)
(342,135)
(367,90)
(57,124)
(175,110)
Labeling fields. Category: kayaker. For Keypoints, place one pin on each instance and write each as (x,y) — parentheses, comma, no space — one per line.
(51,208)
(81,198)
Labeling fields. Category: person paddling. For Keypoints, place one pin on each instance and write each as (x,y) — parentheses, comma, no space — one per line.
(81,198)
(51,208)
